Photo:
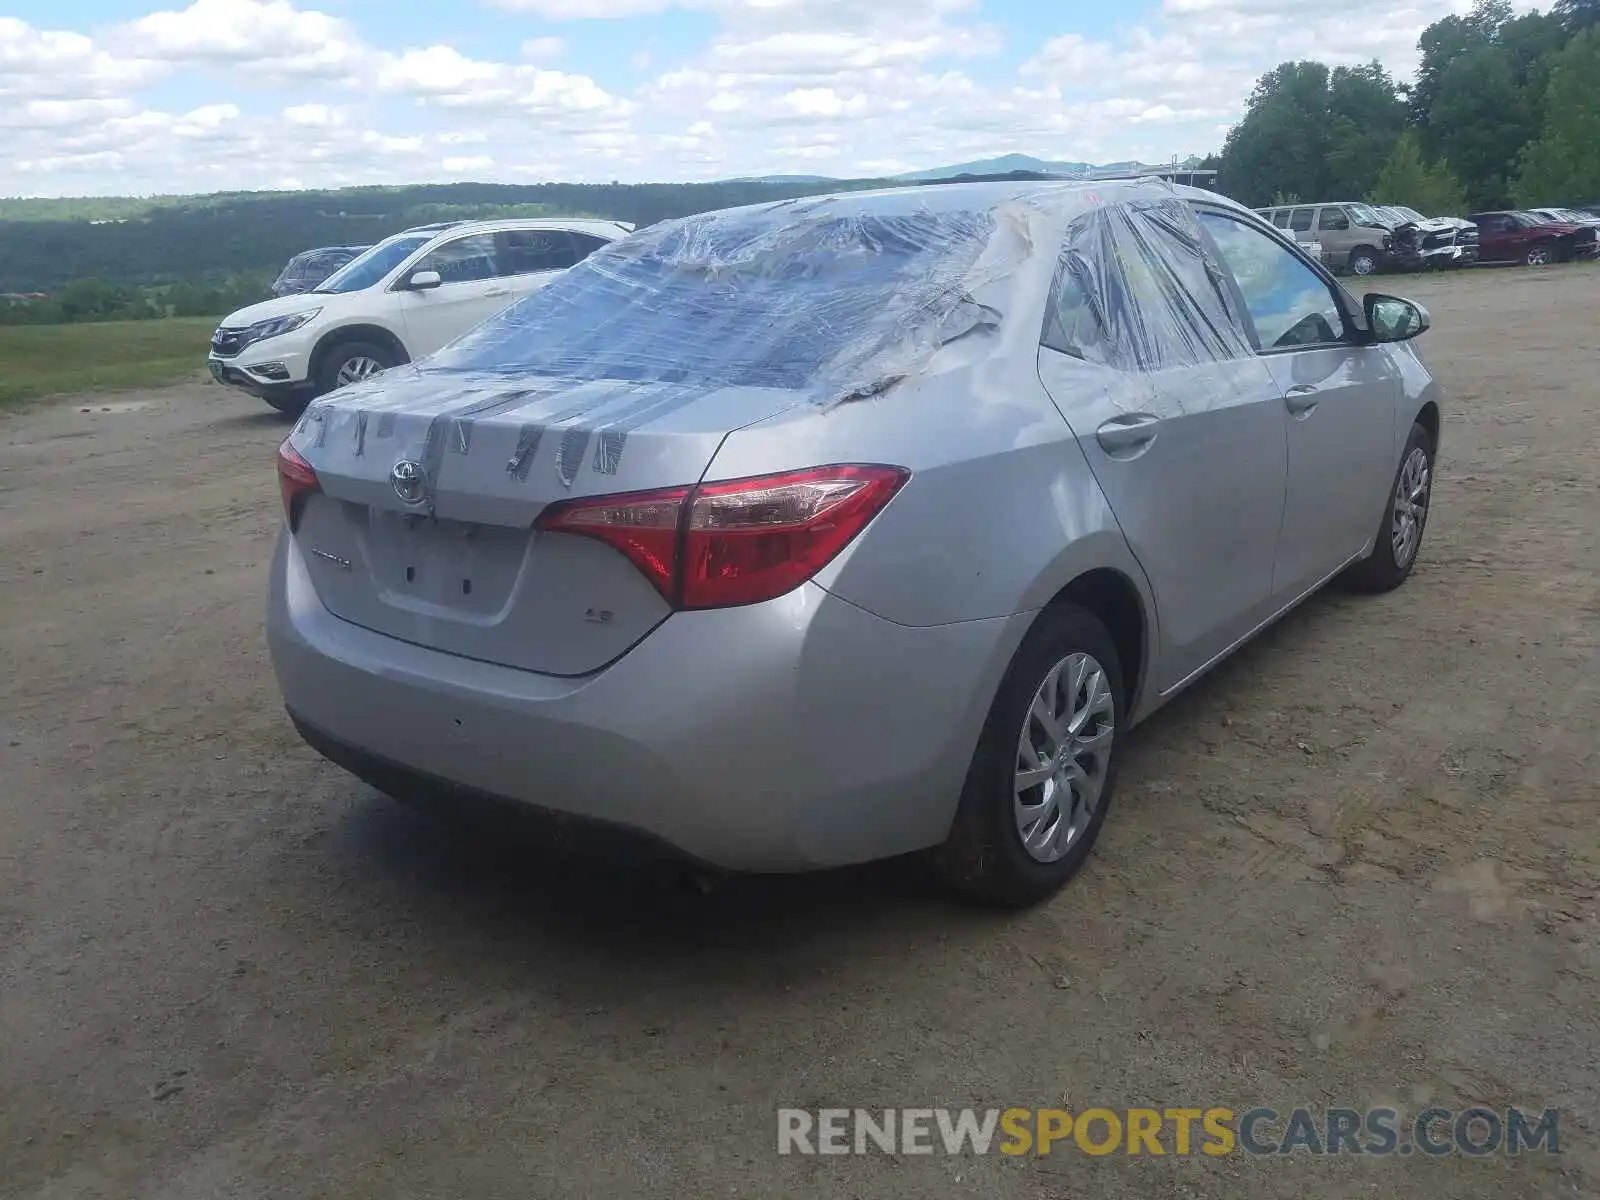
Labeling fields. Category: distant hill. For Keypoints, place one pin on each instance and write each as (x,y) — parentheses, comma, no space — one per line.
(45,244)
(786,179)
(1005,164)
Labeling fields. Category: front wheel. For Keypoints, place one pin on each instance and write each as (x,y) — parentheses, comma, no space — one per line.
(1363,262)
(1041,780)
(1539,255)
(1405,516)
(351,362)
(290,404)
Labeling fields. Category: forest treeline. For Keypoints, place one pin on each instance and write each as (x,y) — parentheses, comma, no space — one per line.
(1504,110)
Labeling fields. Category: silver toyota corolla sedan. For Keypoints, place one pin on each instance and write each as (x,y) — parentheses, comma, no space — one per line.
(835,529)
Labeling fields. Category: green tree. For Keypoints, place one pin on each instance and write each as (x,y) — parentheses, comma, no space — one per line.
(1312,132)
(1532,41)
(1446,40)
(1577,15)
(1365,117)
(1281,143)
(1480,91)
(1563,165)
(1480,124)
(1409,179)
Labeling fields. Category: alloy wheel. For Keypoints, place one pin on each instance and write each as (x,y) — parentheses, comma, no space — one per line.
(1063,756)
(357,368)
(1410,506)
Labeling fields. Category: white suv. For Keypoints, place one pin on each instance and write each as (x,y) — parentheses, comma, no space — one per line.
(400,300)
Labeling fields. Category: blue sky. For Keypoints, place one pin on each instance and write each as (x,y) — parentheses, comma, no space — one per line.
(113,96)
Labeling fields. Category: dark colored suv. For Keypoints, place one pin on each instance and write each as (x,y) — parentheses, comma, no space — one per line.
(1517,236)
(306,270)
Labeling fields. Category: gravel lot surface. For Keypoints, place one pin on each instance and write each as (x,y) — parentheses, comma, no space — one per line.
(1358,865)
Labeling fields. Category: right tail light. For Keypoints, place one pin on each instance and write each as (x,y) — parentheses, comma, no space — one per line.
(296,481)
(717,545)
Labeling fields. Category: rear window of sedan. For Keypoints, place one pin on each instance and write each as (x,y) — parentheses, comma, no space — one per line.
(766,297)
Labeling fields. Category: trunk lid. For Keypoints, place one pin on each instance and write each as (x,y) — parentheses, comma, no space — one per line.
(431,482)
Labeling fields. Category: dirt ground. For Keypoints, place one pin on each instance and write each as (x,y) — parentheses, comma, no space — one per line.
(1356,866)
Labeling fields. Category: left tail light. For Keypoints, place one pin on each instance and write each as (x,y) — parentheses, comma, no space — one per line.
(296,481)
(743,541)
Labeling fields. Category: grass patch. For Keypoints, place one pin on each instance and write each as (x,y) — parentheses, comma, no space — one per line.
(47,360)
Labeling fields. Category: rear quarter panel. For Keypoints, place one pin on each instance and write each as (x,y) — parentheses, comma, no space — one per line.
(1001,510)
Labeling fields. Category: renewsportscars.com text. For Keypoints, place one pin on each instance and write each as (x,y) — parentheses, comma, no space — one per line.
(1433,1132)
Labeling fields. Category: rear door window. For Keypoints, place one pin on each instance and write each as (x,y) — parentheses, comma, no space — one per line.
(1281,218)
(527,251)
(1300,220)
(587,244)
(1138,292)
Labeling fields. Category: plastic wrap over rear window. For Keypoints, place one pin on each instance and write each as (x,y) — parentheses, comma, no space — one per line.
(837,299)
(830,302)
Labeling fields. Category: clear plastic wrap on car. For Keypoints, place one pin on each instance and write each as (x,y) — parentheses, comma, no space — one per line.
(820,302)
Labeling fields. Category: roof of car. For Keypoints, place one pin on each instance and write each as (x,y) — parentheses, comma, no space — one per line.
(948,197)
(572,224)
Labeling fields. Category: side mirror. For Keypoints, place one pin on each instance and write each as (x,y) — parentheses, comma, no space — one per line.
(1391,319)
(423,281)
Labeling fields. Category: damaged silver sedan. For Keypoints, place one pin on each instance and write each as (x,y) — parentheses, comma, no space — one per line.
(842,528)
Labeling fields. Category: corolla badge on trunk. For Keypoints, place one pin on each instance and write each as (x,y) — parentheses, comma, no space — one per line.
(410,481)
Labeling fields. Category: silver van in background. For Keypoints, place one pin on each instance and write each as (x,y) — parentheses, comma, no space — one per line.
(1353,236)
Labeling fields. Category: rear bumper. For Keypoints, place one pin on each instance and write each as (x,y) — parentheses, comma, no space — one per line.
(791,735)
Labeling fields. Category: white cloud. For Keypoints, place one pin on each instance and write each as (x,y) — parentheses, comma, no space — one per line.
(268,37)
(583,10)
(830,53)
(314,116)
(322,91)
(543,49)
(62,114)
(443,75)
(44,63)
(384,143)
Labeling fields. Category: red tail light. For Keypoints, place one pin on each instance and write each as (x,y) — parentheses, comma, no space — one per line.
(296,480)
(739,542)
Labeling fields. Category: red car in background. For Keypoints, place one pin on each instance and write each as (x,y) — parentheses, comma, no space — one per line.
(1517,236)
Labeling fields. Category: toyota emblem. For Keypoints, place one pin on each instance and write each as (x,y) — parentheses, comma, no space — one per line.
(410,481)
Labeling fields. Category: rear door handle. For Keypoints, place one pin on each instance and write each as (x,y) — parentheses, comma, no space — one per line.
(1127,435)
(1301,399)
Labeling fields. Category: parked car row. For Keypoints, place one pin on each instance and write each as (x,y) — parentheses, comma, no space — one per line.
(1536,237)
(396,301)
(1363,239)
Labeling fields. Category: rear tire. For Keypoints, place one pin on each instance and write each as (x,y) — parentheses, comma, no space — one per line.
(987,854)
(1363,261)
(1405,518)
(350,362)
